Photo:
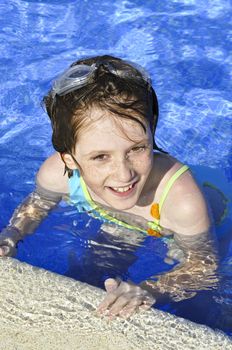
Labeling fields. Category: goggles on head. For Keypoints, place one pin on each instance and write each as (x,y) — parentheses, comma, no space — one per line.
(79,75)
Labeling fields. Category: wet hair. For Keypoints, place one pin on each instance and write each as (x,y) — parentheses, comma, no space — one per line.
(129,97)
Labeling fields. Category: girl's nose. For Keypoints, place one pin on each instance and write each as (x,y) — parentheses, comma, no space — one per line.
(123,171)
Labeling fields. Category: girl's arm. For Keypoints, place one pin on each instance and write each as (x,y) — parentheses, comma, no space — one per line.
(26,218)
(196,239)
(51,187)
(197,271)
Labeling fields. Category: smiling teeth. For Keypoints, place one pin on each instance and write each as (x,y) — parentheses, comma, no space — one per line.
(122,189)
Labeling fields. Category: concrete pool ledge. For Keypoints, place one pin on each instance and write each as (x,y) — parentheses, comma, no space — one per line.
(43,310)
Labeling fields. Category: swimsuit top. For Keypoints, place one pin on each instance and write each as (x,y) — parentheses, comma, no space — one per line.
(80,197)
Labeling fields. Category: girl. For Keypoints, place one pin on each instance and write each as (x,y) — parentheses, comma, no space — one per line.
(104,113)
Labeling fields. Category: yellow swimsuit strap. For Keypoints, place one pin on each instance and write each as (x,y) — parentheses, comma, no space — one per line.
(170,183)
(156,208)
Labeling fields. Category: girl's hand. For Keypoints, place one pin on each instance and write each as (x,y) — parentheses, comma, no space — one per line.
(7,250)
(8,241)
(124,298)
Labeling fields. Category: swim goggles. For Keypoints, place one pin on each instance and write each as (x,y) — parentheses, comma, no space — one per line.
(80,75)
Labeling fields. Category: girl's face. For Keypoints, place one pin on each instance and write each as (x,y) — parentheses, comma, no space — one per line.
(116,158)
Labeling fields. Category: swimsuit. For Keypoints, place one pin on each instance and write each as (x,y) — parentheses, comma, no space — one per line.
(80,197)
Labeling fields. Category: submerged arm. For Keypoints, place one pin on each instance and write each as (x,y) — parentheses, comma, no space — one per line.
(51,186)
(27,217)
(195,238)
(196,272)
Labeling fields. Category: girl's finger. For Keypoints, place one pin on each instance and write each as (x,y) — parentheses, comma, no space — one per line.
(113,293)
(107,301)
(111,284)
(119,304)
(147,303)
(130,308)
(4,250)
(125,302)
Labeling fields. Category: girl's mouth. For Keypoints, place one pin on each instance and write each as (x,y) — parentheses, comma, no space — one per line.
(123,191)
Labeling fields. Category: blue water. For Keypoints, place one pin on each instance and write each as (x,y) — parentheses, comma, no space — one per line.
(186,47)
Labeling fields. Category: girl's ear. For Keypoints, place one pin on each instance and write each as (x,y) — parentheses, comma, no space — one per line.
(68,161)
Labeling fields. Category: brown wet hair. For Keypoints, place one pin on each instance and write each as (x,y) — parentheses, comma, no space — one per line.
(129,97)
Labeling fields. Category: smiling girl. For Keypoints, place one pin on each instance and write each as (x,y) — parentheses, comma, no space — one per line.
(104,113)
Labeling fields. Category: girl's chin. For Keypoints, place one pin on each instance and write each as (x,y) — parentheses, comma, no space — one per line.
(123,207)
(122,204)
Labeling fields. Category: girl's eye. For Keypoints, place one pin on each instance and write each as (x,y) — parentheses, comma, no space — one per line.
(100,157)
(139,149)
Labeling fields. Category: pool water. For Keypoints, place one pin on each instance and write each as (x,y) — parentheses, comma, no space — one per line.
(186,47)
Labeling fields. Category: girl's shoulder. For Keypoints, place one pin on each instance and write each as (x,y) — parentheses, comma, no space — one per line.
(166,167)
(184,209)
(51,175)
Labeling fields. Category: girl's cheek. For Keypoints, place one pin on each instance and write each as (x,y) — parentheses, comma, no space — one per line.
(88,171)
(95,171)
(144,162)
